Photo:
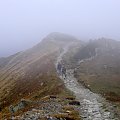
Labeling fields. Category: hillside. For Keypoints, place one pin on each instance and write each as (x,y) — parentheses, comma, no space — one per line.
(98,67)
(30,77)
(31,74)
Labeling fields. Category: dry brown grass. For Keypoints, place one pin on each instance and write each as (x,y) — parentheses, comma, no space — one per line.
(71,116)
(38,81)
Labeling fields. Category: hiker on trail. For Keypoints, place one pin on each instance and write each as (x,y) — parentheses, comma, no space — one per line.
(59,67)
(64,71)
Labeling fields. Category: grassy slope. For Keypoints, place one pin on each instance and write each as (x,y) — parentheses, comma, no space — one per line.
(35,84)
(31,75)
(101,79)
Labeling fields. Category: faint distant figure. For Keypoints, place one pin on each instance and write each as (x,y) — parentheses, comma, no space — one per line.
(59,68)
(63,72)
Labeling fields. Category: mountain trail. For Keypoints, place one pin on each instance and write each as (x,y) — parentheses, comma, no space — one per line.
(93,106)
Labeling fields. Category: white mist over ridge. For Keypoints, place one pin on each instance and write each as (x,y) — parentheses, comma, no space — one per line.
(25,23)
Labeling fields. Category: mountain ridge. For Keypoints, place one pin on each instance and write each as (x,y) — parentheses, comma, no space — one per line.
(22,74)
(31,74)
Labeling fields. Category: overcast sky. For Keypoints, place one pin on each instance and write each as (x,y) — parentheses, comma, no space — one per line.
(23,23)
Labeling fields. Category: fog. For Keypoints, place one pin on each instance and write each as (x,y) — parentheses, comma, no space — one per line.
(23,23)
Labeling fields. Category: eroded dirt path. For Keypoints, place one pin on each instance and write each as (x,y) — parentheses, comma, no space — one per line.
(93,106)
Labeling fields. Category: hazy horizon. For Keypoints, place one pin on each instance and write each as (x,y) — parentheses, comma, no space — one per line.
(23,23)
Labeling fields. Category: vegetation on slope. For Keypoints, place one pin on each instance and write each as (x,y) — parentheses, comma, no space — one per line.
(98,67)
(31,74)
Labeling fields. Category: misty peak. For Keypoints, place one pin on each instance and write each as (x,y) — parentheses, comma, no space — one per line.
(59,37)
(106,43)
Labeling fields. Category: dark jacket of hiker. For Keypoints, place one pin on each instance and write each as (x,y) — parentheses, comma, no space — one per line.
(59,67)
(64,70)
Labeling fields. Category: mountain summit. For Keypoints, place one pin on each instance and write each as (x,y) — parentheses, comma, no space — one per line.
(56,36)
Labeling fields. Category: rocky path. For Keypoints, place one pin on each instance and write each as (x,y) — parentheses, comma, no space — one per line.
(49,108)
(93,106)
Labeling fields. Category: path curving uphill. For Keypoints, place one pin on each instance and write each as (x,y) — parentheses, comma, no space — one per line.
(93,106)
